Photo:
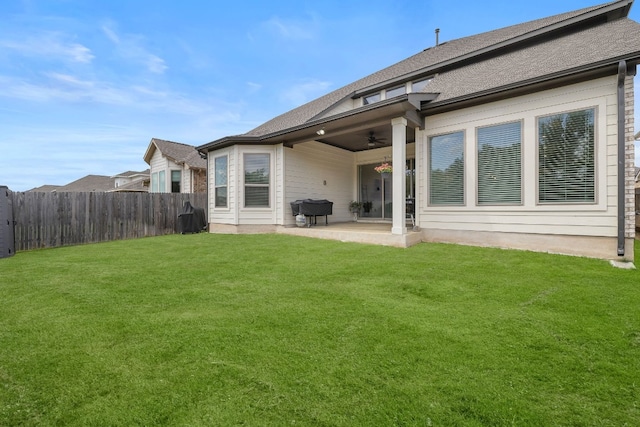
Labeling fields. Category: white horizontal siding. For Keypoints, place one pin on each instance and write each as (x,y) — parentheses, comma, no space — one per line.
(597,219)
(318,171)
(185,184)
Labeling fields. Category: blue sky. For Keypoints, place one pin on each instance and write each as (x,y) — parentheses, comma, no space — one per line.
(86,84)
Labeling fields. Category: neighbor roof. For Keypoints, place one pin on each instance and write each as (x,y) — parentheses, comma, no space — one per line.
(491,62)
(47,188)
(89,183)
(177,152)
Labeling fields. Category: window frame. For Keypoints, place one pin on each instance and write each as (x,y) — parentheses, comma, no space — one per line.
(422,83)
(162,182)
(477,159)
(179,182)
(429,156)
(367,100)
(402,89)
(594,158)
(216,186)
(154,182)
(246,185)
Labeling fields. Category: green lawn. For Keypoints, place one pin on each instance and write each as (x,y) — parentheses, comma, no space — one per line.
(272,330)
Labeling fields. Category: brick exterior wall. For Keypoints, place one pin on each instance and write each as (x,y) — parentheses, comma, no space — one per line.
(200,180)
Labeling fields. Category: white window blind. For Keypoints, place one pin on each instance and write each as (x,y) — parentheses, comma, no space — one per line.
(446,169)
(566,169)
(256,180)
(499,164)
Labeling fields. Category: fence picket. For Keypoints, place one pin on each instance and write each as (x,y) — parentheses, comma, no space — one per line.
(46,220)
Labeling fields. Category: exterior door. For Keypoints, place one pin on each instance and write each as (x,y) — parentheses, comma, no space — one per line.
(376,191)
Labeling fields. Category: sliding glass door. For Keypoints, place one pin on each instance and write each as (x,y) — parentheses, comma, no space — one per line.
(375,191)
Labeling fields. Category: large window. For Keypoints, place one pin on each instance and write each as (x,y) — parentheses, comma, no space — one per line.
(446,169)
(566,170)
(499,164)
(256,180)
(162,182)
(176,177)
(154,182)
(221,179)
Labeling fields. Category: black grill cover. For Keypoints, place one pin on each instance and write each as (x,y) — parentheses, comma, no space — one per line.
(312,207)
(191,220)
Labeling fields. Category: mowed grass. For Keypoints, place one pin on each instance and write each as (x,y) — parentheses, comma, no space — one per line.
(272,330)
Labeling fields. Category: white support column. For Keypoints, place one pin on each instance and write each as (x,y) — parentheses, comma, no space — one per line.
(399,152)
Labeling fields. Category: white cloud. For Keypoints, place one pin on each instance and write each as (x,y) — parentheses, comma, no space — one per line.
(131,47)
(303,92)
(49,45)
(254,87)
(291,29)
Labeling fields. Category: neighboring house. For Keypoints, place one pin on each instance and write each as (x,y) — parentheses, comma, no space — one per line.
(175,167)
(132,181)
(509,138)
(126,181)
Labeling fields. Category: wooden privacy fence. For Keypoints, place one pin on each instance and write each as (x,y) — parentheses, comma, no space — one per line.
(46,220)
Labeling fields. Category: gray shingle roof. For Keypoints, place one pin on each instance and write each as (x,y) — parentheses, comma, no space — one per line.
(89,183)
(180,153)
(556,55)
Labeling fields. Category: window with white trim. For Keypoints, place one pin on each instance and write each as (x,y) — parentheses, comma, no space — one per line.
(417,86)
(499,164)
(154,182)
(176,177)
(395,91)
(446,169)
(221,179)
(371,99)
(256,180)
(162,182)
(566,165)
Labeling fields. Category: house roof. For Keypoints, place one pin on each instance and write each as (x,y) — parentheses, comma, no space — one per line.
(471,68)
(89,183)
(133,174)
(176,151)
(47,188)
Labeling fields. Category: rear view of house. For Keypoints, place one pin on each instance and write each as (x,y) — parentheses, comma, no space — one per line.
(521,137)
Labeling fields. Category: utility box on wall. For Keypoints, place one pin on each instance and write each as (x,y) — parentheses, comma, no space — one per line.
(7,224)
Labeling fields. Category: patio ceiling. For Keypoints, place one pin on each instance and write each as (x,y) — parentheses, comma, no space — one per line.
(352,130)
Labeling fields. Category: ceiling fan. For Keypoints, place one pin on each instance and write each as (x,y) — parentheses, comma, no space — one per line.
(373,141)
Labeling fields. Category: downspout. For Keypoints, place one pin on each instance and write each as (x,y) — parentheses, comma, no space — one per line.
(622,73)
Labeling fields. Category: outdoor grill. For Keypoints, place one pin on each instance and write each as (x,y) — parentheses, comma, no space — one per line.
(313,208)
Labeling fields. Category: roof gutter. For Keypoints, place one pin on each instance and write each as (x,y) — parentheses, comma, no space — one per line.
(622,74)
